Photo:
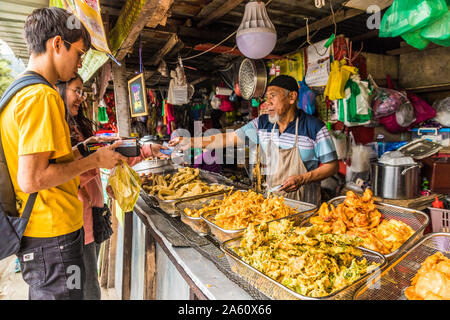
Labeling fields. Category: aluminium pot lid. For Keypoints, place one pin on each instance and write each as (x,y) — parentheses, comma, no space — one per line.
(420,149)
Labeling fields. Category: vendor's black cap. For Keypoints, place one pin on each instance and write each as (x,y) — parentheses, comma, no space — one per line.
(285,82)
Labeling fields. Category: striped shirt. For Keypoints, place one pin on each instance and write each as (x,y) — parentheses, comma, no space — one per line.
(314,141)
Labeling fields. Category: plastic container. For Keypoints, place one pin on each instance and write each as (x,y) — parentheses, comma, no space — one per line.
(441,136)
(440,219)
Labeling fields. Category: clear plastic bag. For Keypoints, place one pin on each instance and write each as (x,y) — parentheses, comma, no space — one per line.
(405,16)
(126,185)
(442,108)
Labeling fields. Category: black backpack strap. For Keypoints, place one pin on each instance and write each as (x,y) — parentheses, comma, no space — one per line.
(26,79)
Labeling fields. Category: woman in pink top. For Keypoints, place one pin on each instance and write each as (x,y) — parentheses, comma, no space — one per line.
(91,189)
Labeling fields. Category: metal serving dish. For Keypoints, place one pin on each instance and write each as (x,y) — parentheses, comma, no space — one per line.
(275,290)
(304,211)
(196,223)
(169,205)
(417,220)
(393,281)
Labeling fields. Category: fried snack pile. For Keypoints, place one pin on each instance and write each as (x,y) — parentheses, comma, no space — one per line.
(184,183)
(304,259)
(212,207)
(359,216)
(238,210)
(432,281)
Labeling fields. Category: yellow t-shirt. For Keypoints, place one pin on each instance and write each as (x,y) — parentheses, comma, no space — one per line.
(34,122)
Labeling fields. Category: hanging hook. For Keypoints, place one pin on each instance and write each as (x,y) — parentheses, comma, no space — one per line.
(319,3)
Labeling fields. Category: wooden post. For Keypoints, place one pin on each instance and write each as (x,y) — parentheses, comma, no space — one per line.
(150,267)
(121,99)
(127,249)
(112,250)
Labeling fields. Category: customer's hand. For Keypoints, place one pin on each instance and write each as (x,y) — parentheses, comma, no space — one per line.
(107,158)
(155,151)
(293,183)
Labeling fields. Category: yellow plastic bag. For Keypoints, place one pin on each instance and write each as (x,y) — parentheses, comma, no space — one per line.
(339,75)
(126,186)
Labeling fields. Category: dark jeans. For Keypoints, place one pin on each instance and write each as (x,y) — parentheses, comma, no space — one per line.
(91,290)
(53,267)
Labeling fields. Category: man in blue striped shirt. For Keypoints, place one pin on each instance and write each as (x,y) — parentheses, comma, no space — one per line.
(282,129)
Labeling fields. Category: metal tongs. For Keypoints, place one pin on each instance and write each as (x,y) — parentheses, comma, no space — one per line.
(271,190)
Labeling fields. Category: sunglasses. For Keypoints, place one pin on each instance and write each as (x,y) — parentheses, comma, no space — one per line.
(81,52)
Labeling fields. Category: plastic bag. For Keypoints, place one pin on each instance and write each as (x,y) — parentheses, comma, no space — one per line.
(442,108)
(438,32)
(422,109)
(126,185)
(355,110)
(306,98)
(339,75)
(405,16)
(414,39)
(386,101)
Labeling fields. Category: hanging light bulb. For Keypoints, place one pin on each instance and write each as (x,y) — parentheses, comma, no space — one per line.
(256,36)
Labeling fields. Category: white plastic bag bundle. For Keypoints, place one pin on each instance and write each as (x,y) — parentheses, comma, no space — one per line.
(442,108)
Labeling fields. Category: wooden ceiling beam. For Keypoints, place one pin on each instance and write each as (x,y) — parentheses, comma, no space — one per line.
(170,44)
(220,12)
(320,24)
(152,13)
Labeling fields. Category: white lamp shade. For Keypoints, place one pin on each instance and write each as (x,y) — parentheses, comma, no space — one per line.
(256,36)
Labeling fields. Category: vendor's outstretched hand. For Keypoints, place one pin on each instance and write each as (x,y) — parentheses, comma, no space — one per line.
(183,144)
(293,183)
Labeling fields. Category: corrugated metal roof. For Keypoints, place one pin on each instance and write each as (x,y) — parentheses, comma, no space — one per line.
(12,18)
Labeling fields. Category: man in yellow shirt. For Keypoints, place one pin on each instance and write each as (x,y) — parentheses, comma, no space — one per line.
(36,143)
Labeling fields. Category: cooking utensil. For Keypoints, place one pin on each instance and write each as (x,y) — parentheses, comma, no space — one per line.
(276,290)
(304,211)
(392,282)
(395,181)
(417,220)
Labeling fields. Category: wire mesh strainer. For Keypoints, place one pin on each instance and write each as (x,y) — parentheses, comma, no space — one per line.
(417,220)
(394,280)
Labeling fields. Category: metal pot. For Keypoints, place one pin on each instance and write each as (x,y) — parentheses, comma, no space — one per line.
(395,181)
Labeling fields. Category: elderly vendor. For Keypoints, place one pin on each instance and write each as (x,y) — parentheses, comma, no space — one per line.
(294,143)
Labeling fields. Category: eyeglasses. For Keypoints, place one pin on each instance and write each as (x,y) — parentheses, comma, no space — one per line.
(79,92)
(81,54)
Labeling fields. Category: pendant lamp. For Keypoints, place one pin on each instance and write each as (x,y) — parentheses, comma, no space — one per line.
(256,36)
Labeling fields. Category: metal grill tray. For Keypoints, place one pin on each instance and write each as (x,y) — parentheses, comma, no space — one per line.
(417,220)
(169,205)
(304,211)
(393,281)
(277,291)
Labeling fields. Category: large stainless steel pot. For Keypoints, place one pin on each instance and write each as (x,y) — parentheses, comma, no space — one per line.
(395,181)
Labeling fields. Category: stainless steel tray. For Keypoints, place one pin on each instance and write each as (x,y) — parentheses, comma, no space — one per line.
(304,211)
(197,224)
(277,291)
(393,281)
(417,220)
(169,205)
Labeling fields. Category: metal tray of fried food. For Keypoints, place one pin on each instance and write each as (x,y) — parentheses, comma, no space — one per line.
(304,211)
(276,291)
(417,220)
(396,277)
(169,205)
(197,223)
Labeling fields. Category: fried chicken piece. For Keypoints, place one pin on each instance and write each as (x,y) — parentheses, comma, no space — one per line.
(432,281)
(367,196)
(361,220)
(325,213)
